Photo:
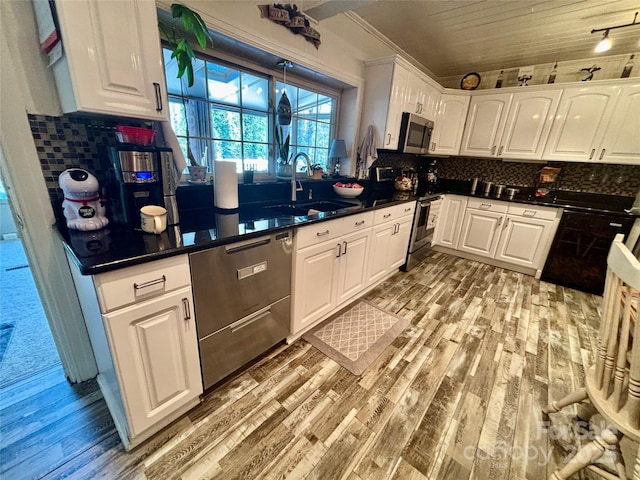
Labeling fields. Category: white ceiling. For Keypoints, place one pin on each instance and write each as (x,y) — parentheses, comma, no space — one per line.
(453,37)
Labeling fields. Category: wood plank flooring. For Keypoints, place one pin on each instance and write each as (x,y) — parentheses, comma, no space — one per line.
(456,396)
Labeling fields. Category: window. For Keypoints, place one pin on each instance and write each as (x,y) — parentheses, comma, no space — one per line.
(229,114)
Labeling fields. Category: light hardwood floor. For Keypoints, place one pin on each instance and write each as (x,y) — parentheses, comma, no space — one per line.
(457,395)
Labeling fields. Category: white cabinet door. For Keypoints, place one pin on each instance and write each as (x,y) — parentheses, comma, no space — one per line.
(449,124)
(485,124)
(621,142)
(112,62)
(522,241)
(580,123)
(352,273)
(447,231)
(315,270)
(480,232)
(396,106)
(380,242)
(155,350)
(528,124)
(399,243)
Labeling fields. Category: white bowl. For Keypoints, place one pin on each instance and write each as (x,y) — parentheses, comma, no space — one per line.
(348,192)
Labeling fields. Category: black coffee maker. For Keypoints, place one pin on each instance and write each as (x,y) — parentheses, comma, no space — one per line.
(139,175)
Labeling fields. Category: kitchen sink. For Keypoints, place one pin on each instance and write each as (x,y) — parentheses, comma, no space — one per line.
(309,208)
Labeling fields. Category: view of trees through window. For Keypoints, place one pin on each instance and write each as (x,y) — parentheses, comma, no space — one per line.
(229,114)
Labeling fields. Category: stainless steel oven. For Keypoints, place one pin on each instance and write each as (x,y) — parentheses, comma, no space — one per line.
(424,224)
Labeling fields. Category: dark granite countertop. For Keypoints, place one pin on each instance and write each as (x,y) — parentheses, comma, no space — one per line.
(116,246)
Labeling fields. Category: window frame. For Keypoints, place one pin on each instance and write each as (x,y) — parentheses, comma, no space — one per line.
(273,76)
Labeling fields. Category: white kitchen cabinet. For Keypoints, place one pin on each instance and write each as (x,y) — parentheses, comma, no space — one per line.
(384,101)
(327,273)
(421,97)
(155,351)
(449,124)
(449,226)
(389,240)
(528,124)
(527,234)
(621,142)
(481,230)
(581,122)
(112,62)
(510,125)
(141,323)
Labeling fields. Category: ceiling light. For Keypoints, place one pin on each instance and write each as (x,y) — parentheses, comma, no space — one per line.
(605,44)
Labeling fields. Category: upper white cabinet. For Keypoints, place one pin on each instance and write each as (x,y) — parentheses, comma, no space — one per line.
(112,62)
(449,124)
(599,123)
(384,101)
(485,123)
(392,88)
(510,125)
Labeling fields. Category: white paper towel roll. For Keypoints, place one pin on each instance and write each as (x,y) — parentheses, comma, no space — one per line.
(225,185)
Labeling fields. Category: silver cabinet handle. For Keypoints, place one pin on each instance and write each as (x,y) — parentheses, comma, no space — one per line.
(493,150)
(388,138)
(407,209)
(593,152)
(506,224)
(500,150)
(186,309)
(386,216)
(619,225)
(485,206)
(357,224)
(529,213)
(602,153)
(140,286)
(433,145)
(156,86)
(499,223)
(339,251)
(344,245)
(322,234)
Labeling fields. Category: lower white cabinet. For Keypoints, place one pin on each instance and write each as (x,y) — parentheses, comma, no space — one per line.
(155,351)
(389,244)
(328,273)
(449,226)
(512,234)
(141,323)
(481,228)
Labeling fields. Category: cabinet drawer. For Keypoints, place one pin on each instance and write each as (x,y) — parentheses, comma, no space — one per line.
(134,284)
(354,223)
(318,232)
(545,213)
(393,213)
(488,205)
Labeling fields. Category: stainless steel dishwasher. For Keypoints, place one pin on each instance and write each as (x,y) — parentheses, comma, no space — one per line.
(242,298)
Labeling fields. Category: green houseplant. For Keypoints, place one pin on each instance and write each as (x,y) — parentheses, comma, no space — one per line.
(180,42)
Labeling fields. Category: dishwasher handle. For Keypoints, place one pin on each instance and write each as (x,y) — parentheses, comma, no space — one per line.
(229,249)
(245,322)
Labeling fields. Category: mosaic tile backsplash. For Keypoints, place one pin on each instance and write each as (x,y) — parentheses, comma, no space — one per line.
(577,177)
(76,141)
(72,142)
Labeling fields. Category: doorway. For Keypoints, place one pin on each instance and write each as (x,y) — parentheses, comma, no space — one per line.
(26,344)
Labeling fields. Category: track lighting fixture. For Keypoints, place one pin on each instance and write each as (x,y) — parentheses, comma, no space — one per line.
(605,43)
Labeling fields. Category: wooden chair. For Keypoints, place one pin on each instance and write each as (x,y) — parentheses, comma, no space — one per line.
(613,383)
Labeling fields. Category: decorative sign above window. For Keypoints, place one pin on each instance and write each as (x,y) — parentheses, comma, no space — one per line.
(289,16)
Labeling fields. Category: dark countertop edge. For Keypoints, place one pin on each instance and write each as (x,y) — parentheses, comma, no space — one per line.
(110,265)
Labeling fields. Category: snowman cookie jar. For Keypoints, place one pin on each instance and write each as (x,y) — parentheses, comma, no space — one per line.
(82,206)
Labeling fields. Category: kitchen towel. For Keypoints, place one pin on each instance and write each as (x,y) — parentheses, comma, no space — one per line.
(171,141)
(225,185)
(367,152)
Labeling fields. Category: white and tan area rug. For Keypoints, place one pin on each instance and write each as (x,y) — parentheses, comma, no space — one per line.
(355,337)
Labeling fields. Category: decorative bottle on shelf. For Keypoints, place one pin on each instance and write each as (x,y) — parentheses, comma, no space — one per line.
(553,74)
(500,79)
(626,71)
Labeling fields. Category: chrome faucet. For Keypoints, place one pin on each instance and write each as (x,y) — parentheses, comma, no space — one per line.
(294,162)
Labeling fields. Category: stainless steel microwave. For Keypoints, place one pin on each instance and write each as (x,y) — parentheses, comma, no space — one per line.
(415,134)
